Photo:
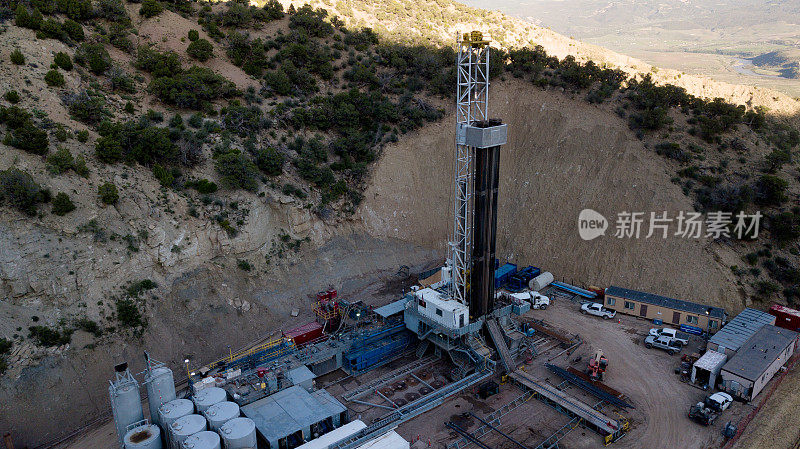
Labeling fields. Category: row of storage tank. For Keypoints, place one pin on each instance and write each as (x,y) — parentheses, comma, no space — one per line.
(206,422)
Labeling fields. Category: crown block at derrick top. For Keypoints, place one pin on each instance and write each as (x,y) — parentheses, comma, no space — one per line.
(481,137)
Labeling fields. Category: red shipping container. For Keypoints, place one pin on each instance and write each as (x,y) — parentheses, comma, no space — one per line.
(785,317)
(305,333)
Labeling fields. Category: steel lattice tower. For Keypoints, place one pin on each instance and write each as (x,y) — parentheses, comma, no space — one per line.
(472,104)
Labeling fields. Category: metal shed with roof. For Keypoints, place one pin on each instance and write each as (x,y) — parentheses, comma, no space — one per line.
(734,334)
(757,361)
(291,417)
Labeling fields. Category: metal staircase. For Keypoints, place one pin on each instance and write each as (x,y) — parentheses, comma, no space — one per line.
(500,343)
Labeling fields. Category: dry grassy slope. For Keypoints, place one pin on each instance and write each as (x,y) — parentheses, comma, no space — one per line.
(512,32)
(562,156)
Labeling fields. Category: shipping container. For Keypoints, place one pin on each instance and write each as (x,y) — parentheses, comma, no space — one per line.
(502,274)
(305,333)
(786,317)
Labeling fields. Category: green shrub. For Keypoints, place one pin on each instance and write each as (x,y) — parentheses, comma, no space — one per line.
(784,226)
(82,136)
(771,190)
(51,29)
(201,49)
(237,172)
(311,21)
(74,30)
(93,56)
(135,141)
(25,19)
(128,314)
(113,11)
(244,121)
(181,89)
(60,162)
(136,289)
(193,35)
(12,96)
(164,175)
(5,346)
(87,325)
(62,205)
(17,58)
(150,8)
(54,78)
(157,63)
(62,60)
(205,186)
(244,265)
(28,137)
(80,166)
(274,9)
(672,150)
(270,161)
(45,336)
(20,191)
(86,106)
(108,193)
(76,9)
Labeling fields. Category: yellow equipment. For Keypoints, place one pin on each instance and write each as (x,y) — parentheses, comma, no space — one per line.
(474,39)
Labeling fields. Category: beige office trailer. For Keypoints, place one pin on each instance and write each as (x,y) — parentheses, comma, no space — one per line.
(669,310)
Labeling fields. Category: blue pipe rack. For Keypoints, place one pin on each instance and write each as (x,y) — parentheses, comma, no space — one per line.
(573,289)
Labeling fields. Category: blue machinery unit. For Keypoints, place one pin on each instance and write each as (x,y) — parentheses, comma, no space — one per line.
(519,281)
(375,349)
(502,274)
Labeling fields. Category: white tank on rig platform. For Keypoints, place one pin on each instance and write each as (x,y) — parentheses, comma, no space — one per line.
(203,440)
(239,433)
(184,427)
(172,410)
(220,413)
(126,403)
(160,386)
(207,397)
(146,436)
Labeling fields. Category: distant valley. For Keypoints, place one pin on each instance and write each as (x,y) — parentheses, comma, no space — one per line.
(754,42)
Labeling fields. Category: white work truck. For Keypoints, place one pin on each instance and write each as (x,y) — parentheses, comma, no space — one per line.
(593,308)
(681,337)
(537,300)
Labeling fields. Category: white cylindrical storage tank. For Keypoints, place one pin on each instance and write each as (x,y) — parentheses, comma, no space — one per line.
(185,426)
(220,413)
(143,437)
(239,433)
(160,390)
(126,403)
(203,440)
(207,397)
(541,281)
(172,410)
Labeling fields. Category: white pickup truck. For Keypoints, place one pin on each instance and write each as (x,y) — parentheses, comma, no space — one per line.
(593,308)
(681,337)
(663,342)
